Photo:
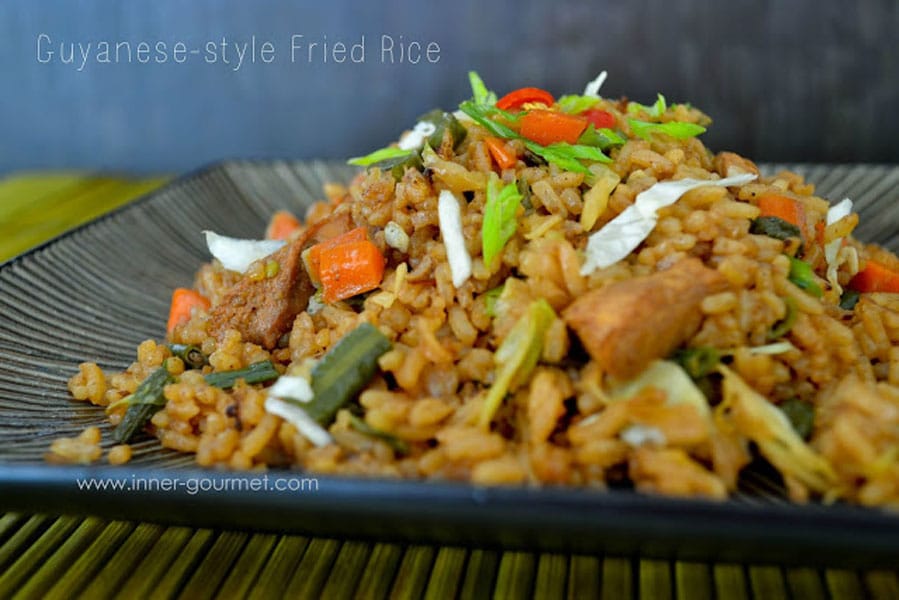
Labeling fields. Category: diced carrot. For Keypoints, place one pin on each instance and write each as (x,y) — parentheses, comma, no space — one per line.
(549,127)
(876,277)
(819,233)
(282,225)
(183,302)
(500,153)
(312,256)
(350,268)
(526,95)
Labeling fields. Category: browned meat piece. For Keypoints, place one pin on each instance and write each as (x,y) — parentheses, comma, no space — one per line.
(263,310)
(626,325)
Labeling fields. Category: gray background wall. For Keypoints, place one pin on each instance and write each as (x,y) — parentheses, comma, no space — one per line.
(790,80)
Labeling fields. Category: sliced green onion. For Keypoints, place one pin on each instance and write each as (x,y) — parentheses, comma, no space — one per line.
(675,129)
(490,298)
(481,116)
(783,327)
(391,152)
(656,110)
(603,139)
(500,221)
(698,362)
(399,446)
(479,92)
(802,275)
(574,104)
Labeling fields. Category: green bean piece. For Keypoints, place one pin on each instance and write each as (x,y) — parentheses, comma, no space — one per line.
(774,227)
(442,121)
(190,354)
(849,299)
(345,370)
(146,400)
(259,372)
(802,416)
(398,165)
(399,446)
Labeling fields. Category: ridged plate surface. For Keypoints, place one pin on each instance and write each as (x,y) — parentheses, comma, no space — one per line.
(94,294)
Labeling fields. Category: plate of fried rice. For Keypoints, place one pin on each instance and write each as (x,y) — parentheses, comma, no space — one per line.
(533,320)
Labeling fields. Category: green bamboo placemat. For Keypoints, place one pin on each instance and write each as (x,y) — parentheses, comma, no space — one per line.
(37,207)
(58,557)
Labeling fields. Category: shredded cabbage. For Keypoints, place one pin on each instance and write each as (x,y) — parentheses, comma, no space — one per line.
(832,249)
(296,416)
(639,435)
(669,377)
(517,356)
(620,236)
(414,139)
(592,88)
(236,254)
(766,425)
(450,217)
(291,387)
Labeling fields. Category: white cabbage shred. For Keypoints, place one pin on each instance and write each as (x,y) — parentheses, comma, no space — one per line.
(413,140)
(283,401)
(450,217)
(832,249)
(293,387)
(297,417)
(620,236)
(668,376)
(767,426)
(592,89)
(236,254)
(639,435)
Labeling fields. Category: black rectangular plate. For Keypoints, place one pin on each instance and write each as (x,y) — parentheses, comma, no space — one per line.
(95,293)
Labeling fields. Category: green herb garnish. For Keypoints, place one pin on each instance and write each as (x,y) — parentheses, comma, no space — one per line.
(601,138)
(479,92)
(389,153)
(656,110)
(574,104)
(675,129)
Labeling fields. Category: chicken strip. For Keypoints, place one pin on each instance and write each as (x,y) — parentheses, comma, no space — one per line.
(263,310)
(626,325)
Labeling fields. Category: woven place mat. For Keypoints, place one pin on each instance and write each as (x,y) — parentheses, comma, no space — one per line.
(44,556)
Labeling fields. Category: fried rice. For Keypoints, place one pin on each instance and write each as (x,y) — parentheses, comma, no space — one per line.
(706,347)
